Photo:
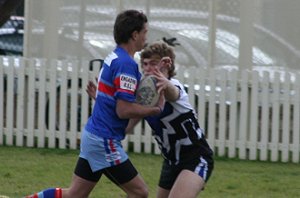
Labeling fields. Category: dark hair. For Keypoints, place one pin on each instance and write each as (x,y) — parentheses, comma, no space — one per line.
(126,23)
(160,49)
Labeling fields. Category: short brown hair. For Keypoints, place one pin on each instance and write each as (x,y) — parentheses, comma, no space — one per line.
(160,49)
(126,23)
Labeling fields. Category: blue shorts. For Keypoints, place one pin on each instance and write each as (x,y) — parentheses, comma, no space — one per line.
(101,152)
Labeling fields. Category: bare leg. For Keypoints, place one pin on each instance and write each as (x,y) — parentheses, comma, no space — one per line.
(135,188)
(162,193)
(80,188)
(188,185)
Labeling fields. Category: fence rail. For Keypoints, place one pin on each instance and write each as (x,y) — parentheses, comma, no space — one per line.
(248,115)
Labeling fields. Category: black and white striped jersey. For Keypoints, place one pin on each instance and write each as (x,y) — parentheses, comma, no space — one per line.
(177,130)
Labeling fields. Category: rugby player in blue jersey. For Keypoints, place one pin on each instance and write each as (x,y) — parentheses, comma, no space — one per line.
(100,150)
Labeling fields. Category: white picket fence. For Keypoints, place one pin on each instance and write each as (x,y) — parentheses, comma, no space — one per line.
(245,114)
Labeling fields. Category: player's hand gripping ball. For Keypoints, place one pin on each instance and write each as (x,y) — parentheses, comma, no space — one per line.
(146,93)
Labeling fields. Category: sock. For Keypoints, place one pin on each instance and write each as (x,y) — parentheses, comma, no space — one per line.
(48,193)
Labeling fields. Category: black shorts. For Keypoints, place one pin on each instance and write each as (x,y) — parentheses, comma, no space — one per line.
(118,174)
(169,173)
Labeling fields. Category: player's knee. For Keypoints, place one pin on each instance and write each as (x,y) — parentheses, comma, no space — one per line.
(141,192)
(144,192)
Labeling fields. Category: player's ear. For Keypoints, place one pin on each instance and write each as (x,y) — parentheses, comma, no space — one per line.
(134,35)
(165,65)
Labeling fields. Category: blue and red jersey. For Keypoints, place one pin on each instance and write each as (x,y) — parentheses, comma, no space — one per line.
(118,79)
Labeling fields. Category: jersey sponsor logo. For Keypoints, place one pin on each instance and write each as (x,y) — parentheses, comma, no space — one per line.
(128,83)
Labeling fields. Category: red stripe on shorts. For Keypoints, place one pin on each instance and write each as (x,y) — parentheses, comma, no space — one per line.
(113,149)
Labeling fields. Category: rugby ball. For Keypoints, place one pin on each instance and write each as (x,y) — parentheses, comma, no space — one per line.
(146,93)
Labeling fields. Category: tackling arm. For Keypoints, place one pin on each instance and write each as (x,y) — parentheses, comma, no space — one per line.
(126,110)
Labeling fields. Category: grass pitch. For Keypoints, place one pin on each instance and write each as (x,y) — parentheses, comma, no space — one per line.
(27,170)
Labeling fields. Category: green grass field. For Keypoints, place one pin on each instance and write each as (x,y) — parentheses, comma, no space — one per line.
(24,171)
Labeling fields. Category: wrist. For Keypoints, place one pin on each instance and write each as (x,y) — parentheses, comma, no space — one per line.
(160,109)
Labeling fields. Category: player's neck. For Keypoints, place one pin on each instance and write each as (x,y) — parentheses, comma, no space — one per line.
(129,48)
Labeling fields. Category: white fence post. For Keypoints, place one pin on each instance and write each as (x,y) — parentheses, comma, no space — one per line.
(30,103)
(201,72)
(20,104)
(244,115)
(222,115)
(136,137)
(232,114)
(74,105)
(212,109)
(63,104)
(41,128)
(286,119)
(84,96)
(146,139)
(296,120)
(2,95)
(254,116)
(264,121)
(52,104)
(191,82)
(10,103)
(275,103)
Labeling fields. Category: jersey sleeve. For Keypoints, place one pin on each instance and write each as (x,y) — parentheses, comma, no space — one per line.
(126,81)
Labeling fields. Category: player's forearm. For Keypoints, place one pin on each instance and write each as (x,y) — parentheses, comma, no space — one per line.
(127,110)
(138,112)
(171,92)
